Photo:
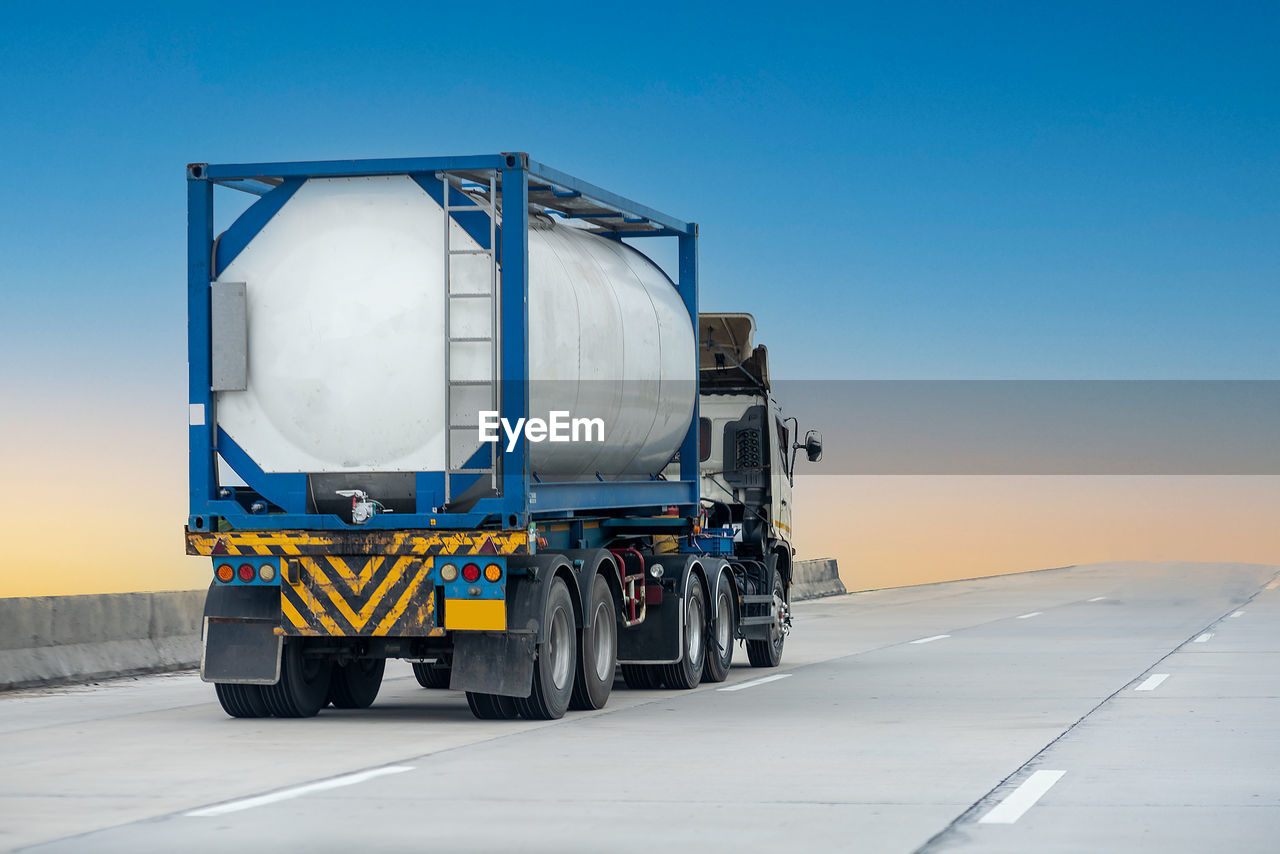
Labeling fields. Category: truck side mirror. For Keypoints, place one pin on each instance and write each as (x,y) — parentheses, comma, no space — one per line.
(813,445)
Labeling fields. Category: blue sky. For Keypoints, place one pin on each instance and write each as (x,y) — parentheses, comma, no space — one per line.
(906,191)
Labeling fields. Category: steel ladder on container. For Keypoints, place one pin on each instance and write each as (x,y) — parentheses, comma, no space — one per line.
(467,393)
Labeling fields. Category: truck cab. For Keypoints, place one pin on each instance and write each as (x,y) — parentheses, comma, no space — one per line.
(747,445)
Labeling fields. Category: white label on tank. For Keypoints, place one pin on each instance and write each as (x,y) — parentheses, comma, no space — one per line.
(196,417)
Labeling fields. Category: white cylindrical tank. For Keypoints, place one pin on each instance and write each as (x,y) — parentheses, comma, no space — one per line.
(345,292)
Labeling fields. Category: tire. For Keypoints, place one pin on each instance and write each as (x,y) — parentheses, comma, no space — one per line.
(242,701)
(355,685)
(554,668)
(597,652)
(229,699)
(767,652)
(303,688)
(253,698)
(642,677)
(723,630)
(492,707)
(687,672)
(432,674)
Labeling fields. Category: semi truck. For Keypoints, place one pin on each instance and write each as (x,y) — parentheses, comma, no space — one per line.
(442,409)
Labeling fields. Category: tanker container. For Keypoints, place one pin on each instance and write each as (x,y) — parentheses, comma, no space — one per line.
(356,362)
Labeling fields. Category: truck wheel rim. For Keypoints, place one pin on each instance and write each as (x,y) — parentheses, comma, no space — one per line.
(724,616)
(602,640)
(776,631)
(558,646)
(693,630)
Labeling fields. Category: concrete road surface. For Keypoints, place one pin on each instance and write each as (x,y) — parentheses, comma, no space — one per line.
(1116,707)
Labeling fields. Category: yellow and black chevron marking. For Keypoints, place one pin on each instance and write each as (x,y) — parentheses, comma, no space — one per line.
(317,544)
(359,596)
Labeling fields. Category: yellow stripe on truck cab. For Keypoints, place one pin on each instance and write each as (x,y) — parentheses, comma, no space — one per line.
(475,615)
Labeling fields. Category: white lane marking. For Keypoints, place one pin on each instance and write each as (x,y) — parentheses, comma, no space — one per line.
(1022,798)
(1029,616)
(754,682)
(1273,585)
(1097,598)
(1238,614)
(297,791)
(930,639)
(1152,682)
(1204,638)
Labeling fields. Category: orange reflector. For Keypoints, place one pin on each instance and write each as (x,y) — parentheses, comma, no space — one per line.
(225,573)
(493,572)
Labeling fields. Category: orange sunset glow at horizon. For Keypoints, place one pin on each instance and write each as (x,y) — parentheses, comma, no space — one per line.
(885,530)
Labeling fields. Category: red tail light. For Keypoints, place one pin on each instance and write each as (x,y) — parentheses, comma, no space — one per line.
(471,572)
(247,573)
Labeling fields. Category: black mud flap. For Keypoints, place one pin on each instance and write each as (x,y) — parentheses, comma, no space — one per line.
(244,651)
(658,640)
(493,663)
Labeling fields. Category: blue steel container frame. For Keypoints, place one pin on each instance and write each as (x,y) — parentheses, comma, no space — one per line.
(520,501)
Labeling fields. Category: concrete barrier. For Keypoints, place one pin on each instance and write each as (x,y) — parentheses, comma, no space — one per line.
(50,640)
(813,579)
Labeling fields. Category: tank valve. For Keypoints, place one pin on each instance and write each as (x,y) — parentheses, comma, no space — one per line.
(363,508)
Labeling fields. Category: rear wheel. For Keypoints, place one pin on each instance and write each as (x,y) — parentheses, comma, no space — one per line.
(229,699)
(687,672)
(492,707)
(553,670)
(720,644)
(642,677)
(767,652)
(303,688)
(432,674)
(253,698)
(597,652)
(355,685)
(242,701)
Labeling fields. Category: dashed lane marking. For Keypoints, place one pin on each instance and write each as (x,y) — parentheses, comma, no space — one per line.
(754,682)
(297,791)
(1022,798)
(1204,638)
(1152,682)
(931,639)
(1097,598)
(1029,616)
